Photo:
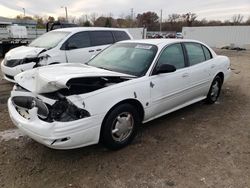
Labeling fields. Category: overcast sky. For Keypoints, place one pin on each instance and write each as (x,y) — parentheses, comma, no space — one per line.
(209,9)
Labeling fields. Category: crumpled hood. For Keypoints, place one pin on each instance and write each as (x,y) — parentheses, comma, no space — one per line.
(22,52)
(54,77)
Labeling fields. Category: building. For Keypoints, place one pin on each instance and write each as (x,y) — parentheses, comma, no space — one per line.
(23,22)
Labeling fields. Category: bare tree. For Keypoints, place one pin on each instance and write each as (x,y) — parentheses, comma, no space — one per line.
(72,19)
(237,19)
(190,18)
(93,17)
(173,18)
(248,21)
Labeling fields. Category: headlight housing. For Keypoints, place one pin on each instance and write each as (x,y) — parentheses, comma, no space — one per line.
(16,62)
(43,60)
(64,110)
(12,62)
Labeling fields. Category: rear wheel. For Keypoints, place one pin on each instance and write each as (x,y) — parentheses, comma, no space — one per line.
(120,127)
(214,91)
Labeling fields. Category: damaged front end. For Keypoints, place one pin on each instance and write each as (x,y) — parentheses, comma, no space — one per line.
(57,95)
(53,107)
(62,110)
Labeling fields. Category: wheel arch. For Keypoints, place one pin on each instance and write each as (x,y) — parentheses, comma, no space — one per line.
(133,102)
(221,75)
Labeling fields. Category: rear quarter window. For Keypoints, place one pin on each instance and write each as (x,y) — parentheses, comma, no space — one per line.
(99,38)
(121,35)
(195,53)
(207,53)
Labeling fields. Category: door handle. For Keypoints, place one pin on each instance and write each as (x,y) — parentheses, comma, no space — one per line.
(185,75)
(91,50)
(98,50)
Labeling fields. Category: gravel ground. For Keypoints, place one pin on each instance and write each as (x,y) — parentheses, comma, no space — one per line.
(199,146)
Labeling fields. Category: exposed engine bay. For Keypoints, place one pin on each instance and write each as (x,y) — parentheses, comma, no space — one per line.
(86,85)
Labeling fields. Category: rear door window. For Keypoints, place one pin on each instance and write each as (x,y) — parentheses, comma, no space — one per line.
(99,38)
(195,53)
(121,35)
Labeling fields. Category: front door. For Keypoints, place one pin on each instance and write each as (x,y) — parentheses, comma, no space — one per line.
(168,90)
(78,48)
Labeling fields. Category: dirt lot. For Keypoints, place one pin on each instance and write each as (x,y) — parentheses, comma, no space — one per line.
(199,146)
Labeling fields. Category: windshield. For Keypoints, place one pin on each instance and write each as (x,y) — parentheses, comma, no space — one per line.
(128,58)
(49,40)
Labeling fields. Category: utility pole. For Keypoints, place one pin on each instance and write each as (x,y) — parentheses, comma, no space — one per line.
(160,20)
(132,17)
(66,13)
(23,12)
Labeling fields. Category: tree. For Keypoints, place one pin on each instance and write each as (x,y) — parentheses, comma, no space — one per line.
(87,24)
(237,19)
(248,21)
(121,22)
(100,22)
(190,18)
(61,19)
(93,17)
(51,19)
(173,18)
(40,22)
(148,19)
(21,17)
(108,22)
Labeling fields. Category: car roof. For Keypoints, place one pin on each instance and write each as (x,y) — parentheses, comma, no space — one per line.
(158,42)
(77,29)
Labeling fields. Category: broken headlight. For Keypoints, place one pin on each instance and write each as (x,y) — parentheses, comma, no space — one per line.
(13,62)
(16,62)
(64,110)
(43,60)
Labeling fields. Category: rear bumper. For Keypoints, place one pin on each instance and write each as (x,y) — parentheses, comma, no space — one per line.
(227,74)
(58,135)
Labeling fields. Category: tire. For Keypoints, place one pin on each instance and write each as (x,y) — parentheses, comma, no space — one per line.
(120,127)
(214,91)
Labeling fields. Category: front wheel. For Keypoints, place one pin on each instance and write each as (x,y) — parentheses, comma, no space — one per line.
(120,127)
(214,91)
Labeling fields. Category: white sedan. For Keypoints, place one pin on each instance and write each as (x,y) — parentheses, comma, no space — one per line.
(132,82)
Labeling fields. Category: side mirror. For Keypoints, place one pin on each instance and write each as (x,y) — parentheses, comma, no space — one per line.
(71,46)
(165,68)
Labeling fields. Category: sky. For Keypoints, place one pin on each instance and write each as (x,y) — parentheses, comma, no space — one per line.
(209,9)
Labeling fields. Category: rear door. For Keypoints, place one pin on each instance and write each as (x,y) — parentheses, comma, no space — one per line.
(198,70)
(100,40)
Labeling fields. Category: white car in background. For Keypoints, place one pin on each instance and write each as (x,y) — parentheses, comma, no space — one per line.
(75,44)
(74,105)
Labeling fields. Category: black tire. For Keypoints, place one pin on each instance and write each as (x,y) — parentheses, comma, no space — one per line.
(122,112)
(214,91)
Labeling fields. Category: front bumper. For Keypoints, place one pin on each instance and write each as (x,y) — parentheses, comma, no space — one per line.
(10,72)
(58,135)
